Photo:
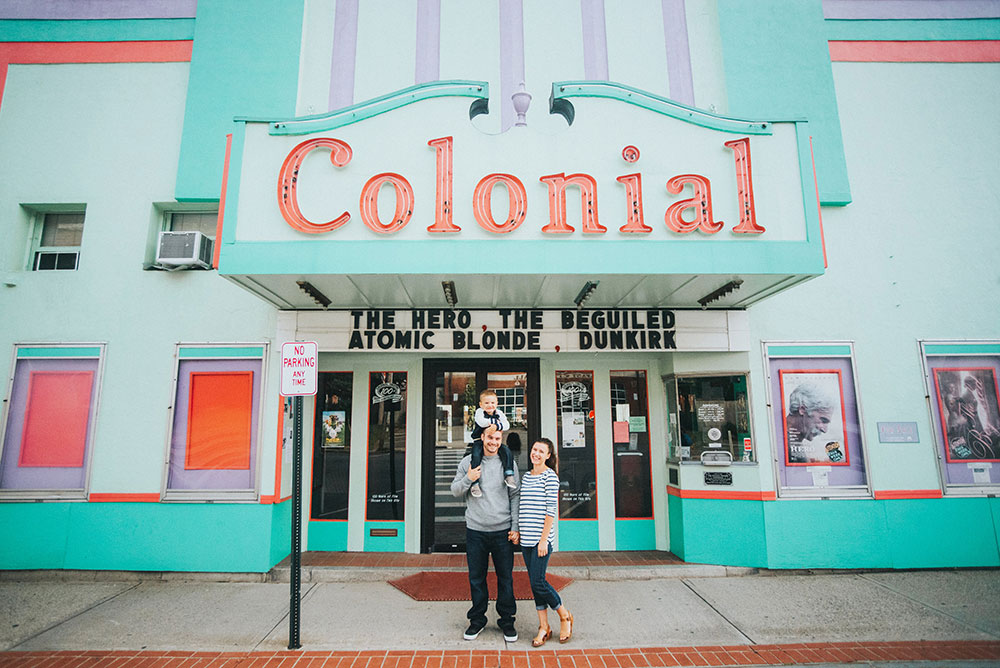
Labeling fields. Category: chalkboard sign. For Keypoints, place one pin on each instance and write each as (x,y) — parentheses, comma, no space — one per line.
(718,478)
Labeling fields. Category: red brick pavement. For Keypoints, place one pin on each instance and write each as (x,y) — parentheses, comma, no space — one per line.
(639,657)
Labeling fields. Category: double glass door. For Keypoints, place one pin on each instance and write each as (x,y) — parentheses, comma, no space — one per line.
(451,396)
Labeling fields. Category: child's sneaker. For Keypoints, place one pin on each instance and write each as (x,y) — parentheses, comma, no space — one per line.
(476,491)
(510,481)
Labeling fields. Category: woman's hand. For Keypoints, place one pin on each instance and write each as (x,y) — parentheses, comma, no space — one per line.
(514,537)
(543,548)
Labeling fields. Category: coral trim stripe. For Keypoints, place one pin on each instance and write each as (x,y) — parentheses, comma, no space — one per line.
(952,51)
(222,202)
(720,495)
(908,494)
(108,497)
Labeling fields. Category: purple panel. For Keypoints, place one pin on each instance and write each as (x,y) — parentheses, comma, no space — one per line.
(98,9)
(511,58)
(345,53)
(959,472)
(911,9)
(428,41)
(800,476)
(39,477)
(178,478)
(675,35)
(595,40)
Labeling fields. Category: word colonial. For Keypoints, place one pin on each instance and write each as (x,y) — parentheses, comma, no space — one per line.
(683,216)
(508,329)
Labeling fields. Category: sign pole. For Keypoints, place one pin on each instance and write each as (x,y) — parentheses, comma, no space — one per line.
(299,375)
(295,602)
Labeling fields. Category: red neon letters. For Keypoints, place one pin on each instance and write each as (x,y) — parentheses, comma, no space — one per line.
(699,204)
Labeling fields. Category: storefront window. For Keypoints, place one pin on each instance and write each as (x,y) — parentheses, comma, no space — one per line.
(386,444)
(332,446)
(576,444)
(712,416)
(53,399)
(965,408)
(819,446)
(630,428)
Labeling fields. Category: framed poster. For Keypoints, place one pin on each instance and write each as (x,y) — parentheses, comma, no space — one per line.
(814,429)
(969,405)
(333,428)
(816,419)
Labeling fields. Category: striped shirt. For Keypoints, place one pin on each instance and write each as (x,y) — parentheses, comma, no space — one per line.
(539,497)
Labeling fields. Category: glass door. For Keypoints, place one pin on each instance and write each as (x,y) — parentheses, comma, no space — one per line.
(451,396)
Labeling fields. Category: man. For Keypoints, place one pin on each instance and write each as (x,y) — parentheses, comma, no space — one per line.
(490,526)
(809,414)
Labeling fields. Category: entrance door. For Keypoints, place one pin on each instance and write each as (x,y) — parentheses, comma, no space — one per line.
(451,396)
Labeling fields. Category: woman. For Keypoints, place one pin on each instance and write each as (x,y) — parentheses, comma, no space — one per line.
(537,515)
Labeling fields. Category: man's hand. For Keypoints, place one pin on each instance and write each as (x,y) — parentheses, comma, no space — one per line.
(514,537)
(474,474)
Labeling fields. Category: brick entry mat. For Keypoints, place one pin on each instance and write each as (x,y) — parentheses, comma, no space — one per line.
(454,585)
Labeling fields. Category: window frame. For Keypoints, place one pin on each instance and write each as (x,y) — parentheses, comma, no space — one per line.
(227,351)
(72,353)
(38,213)
(161,220)
(776,430)
(673,426)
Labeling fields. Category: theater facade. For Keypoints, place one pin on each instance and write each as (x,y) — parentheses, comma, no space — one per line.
(736,259)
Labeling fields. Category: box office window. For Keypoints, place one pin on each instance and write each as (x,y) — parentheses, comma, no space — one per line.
(332,446)
(630,429)
(815,413)
(213,440)
(576,444)
(386,445)
(711,416)
(964,393)
(47,440)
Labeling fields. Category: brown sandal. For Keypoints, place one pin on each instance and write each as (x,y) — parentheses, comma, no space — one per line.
(565,635)
(544,633)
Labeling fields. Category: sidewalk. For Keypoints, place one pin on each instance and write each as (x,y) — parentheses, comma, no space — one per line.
(665,614)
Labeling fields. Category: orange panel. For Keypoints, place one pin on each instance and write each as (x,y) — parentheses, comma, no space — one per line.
(55,421)
(219,420)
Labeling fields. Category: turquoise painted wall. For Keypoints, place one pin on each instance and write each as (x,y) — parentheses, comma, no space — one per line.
(225,83)
(777,64)
(144,536)
(327,536)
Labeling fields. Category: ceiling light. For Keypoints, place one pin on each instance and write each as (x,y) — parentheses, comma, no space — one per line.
(731,286)
(585,293)
(311,290)
(450,295)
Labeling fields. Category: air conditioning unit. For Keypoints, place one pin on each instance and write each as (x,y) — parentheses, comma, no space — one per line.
(184,249)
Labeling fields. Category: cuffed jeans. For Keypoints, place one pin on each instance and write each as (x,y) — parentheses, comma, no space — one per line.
(479,547)
(545,595)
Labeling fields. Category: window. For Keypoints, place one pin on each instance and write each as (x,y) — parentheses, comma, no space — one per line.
(214,430)
(57,241)
(576,444)
(816,417)
(332,446)
(192,221)
(386,445)
(963,386)
(630,428)
(47,437)
(711,416)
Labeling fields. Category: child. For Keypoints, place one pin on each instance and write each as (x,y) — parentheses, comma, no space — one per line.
(487,416)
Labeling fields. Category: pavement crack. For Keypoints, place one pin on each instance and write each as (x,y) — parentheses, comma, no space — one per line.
(928,605)
(74,616)
(697,593)
(284,618)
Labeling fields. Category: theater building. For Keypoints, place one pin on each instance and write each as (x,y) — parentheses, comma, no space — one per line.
(738,260)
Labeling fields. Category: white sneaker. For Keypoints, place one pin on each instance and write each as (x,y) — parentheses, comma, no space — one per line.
(510,481)
(476,491)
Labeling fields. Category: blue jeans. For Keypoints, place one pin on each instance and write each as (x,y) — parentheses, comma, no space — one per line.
(545,595)
(479,547)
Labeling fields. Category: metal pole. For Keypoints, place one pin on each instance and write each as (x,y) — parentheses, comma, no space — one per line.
(294,603)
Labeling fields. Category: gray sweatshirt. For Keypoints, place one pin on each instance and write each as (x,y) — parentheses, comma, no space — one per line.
(496,509)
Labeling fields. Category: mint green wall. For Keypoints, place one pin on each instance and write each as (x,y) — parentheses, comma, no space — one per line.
(913,30)
(635,535)
(328,536)
(225,83)
(144,536)
(777,64)
(898,533)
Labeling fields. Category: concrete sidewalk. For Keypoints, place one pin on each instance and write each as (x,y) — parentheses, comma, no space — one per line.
(45,614)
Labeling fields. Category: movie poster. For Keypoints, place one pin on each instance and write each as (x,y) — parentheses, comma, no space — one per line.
(970,413)
(812,406)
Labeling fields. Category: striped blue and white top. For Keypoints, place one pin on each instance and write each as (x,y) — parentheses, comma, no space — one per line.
(539,497)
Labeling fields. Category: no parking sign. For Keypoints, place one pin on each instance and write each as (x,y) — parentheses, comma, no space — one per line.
(299,365)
